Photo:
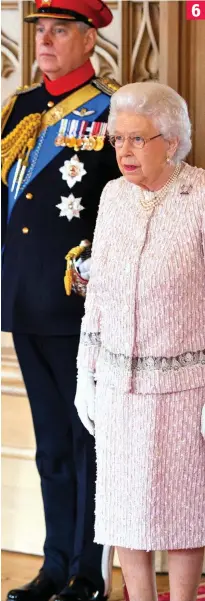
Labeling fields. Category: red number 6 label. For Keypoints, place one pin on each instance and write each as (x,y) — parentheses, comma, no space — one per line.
(195,10)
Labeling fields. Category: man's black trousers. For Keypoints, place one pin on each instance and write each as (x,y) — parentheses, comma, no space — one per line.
(65,456)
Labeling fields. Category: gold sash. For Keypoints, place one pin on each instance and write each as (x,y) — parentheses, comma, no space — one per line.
(68,105)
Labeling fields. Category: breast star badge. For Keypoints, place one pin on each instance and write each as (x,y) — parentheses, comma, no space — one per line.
(73,171)
(70,207)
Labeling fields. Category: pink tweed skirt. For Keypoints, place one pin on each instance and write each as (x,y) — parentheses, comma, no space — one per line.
(150,489)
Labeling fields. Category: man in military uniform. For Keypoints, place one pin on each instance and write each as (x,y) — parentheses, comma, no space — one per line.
(56,161)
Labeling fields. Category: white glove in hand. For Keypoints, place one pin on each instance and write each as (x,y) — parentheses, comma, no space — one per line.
(83,268)
(203,422)
(85,399)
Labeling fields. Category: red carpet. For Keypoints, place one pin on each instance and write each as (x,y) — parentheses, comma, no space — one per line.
(200,597)
(166,597)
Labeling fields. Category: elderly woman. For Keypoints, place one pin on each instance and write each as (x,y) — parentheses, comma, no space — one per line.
(143,341)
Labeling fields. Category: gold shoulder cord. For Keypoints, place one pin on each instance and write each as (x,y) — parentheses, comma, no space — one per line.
(21,140)
(19,143)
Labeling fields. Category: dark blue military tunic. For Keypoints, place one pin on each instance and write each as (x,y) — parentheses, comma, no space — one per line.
(33,296)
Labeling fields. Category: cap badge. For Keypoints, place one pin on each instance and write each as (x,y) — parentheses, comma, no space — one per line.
(45,3)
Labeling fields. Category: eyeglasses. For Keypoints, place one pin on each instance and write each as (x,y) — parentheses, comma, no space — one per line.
(136,141)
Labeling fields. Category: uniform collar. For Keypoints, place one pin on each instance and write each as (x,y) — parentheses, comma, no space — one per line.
(71,81)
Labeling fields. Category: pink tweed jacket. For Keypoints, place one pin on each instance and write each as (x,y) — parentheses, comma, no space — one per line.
(144,323)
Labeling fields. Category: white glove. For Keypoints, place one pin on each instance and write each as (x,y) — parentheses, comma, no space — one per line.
(85,399)
(203,422)
(83,268)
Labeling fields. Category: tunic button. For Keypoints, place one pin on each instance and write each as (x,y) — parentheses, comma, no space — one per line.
(25,230)
(29,196)
(50,104)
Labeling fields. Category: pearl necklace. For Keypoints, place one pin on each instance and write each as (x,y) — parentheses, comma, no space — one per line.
(157,197)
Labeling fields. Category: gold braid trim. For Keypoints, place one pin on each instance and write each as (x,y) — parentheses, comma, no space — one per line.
(74,253)
(19,143)
(6,111)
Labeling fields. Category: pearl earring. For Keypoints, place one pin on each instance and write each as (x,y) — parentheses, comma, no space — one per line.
(168,160)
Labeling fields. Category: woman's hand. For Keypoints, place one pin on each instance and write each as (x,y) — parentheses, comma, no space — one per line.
(203,422)
(85,399)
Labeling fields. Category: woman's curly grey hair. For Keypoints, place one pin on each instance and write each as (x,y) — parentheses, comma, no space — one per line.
(165,107)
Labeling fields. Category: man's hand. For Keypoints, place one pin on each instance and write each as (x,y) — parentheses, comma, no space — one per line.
(83,268)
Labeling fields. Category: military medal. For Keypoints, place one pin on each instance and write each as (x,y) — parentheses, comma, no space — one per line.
(73,171)
(59,141)
(100,139)
(70,207)
(89,140)
(88,143)
(99,143)
(81,135)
